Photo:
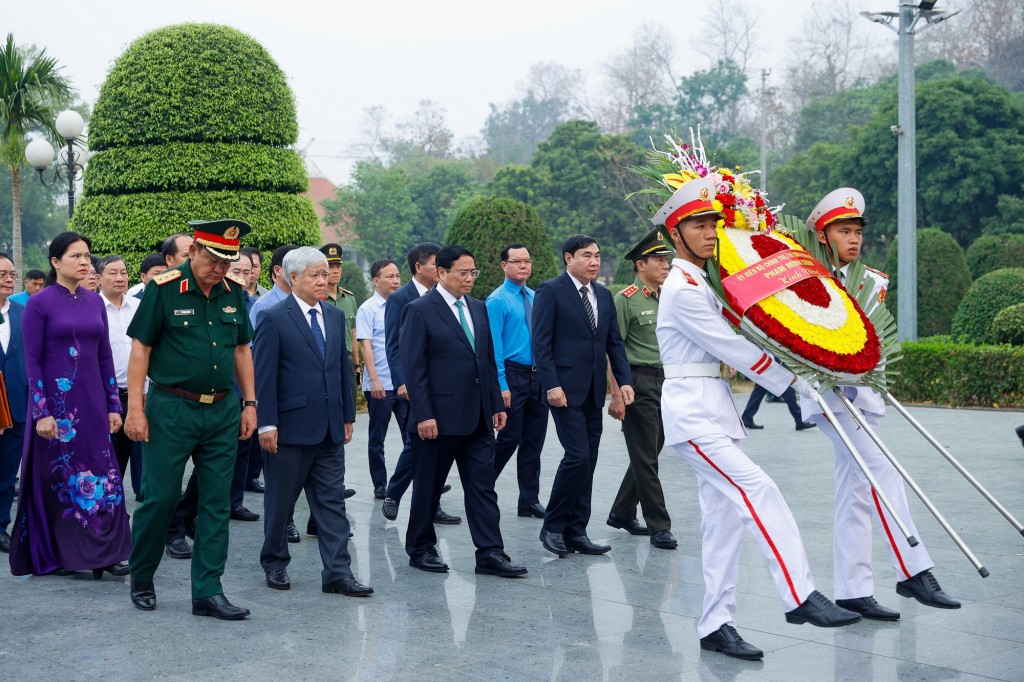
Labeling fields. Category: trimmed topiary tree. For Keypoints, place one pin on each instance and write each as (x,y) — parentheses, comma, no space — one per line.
(942,280)
(487,225)
(193,122)
(1008,325)
(986,298)
(992,252)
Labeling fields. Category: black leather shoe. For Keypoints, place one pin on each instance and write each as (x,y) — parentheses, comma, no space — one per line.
(143,594)
(349,492)
(255,486)
(445,488)
(429,561)
(536,510)
(584,545)
(925,588)
(499,564)
(631,526)
(291,533)
(350,587)
(218,606)
(819,610)
(179,549)
(243,514)
(5,542)
(380,492)
(311,528)
(868,608)
(752,426)
(118,570)
(278,580)
(803,426)
(553,542)
(664,539)
(389,509)
(442,517)
(727,641)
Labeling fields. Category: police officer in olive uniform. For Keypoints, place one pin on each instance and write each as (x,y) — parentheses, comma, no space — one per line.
(191,337)
(344,300)
(637,309)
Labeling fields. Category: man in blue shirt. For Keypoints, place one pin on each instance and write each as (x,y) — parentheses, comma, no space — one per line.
(509,308)
(33,280)
(281,288)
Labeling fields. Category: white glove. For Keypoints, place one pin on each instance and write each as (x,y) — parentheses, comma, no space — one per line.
(805,389)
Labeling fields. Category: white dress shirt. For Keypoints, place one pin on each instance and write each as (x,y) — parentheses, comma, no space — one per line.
(451,300)
(5,328)
(305,308)
(118,320)
(591,293)
(419,287)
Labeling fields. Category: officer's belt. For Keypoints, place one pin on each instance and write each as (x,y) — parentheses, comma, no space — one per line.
(689,370)
(520,366)
(651,371)
(204,398)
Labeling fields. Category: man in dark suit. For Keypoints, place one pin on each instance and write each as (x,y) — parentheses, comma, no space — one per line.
(452,381)
(574,329)
(305,413)
(424,277)
(12,365)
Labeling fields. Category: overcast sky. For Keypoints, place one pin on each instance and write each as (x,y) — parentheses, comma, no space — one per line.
(341,57)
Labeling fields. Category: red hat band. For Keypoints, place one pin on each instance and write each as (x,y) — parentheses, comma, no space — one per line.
(229,240)
(836,214)
(689,209)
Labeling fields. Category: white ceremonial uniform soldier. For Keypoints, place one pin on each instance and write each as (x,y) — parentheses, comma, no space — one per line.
(703,426)
(839,221)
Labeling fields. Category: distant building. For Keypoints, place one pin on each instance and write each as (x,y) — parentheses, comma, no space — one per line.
(321,188)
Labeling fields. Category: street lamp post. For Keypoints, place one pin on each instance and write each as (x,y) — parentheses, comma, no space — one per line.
(907,19)
(39,154)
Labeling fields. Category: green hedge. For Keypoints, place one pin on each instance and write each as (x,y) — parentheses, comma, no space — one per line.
(960,374)
(987,296)
(992,252)
(186,166)
(1008,325)
(194,82)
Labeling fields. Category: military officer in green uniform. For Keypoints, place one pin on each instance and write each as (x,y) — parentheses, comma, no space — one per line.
(636,307)
(344,300)
(191,337)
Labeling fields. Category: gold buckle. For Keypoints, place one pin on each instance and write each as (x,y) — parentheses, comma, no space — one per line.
(207,398)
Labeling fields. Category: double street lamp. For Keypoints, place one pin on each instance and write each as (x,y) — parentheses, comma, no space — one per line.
(39,153)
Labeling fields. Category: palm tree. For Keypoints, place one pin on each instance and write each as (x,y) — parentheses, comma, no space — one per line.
(32,91)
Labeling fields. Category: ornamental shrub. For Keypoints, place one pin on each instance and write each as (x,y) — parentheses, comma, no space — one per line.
(193,122)
(992,252)
(1008,325)
(959,374)
(988,295)
(487,225)
(353,279)
(942,280)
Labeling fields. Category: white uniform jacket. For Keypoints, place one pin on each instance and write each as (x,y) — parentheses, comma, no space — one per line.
(691,329)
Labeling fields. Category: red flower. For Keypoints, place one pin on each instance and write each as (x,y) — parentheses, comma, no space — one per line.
(810,290)
(728,200)
(863,361)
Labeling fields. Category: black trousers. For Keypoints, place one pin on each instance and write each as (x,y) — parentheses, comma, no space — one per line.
(526,429)
(579,431)
(758,394)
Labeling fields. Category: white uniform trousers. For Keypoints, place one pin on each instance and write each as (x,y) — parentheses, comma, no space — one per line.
(857,503)
(734,494)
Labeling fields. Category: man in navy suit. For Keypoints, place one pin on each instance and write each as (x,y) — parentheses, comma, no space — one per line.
(424,277)
(452,381)
(12,364)
(574,329)
(305,412)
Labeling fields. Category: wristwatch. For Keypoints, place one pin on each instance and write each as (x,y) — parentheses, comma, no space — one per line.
(250,403)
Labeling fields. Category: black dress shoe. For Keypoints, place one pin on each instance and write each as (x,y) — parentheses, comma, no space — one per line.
(444,518)
(218,606)
(243,514)
(868,608)
(445,488)
(255,486)
(428,561)
(389,509)
(499,564)
(631,526)
(380,492)
(5,542)
(553,542)
(819,610)
(350,587)
(349,492)
(664,539)
(752,426)
(311,528)
(143,594)
(536,510)
(179,549)
(118,570)
(925,588)
(803,426)
(278,580)
(727,641)
(584,545)
(291,533)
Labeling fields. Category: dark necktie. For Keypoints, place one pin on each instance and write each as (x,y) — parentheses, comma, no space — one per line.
(528,307)
(589,308)
(465,326)
(318,333)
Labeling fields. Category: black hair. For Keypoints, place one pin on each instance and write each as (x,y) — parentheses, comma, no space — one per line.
(421,253)
(252,251)
(31,274)
(169,249)
(379,265)
(449,254)
(575,243)
(513,245)
(246,254)
(278,256)
(59,246)
(151,261)
(102,264)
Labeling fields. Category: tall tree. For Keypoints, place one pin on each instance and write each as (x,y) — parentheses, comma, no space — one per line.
(637,77)
(513,132)
(32,91)
(378,207)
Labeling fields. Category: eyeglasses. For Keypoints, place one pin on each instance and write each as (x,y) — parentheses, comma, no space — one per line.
(8,274)
(518,261)
(466,274)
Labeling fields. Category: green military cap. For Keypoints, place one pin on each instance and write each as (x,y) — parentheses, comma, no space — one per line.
(652,244)
(220,237)
(333,252)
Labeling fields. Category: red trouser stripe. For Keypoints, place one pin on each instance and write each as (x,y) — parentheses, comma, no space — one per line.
(757,520)
(888,534)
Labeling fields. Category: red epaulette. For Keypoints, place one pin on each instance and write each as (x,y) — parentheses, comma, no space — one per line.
(877,272)
(689,278)
(630,290)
